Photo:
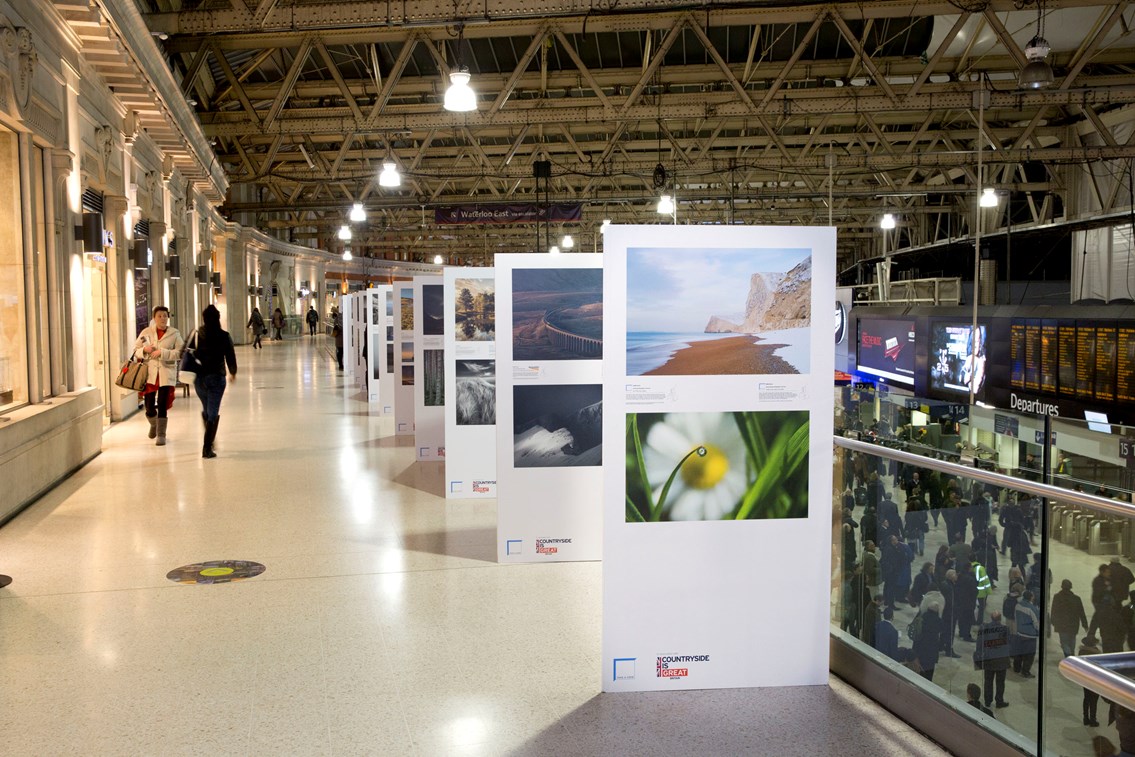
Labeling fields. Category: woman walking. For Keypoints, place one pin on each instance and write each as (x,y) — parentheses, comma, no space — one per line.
(278,325)
(214,350)
(159,345)
(256,323)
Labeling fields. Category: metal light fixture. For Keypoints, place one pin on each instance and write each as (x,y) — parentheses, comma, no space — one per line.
(390,176)
(347,255)
(141,254)
(1037,73)
(554,251)
(666,205)
(345,233)
(437,260)
(202,274)
(887,222)
(460,97)
(358,213)
(604,225)
(988,198)
(567,242)
(173,267)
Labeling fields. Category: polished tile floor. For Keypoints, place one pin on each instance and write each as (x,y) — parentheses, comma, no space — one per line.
(383,624)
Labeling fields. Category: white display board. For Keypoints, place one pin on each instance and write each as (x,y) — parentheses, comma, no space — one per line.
(349,315)
(359,302)
(717,432)
(470,383)
(429,367)
(549,407)
(404,365)
(381,341)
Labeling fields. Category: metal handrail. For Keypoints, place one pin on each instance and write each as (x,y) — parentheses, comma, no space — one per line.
(1067,496)
(1099,673)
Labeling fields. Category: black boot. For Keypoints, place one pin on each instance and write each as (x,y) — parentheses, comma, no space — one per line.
(210,437)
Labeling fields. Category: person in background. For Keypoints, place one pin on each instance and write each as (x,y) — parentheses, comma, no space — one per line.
(1088,646)
(991,656)
(973,698)
(256,323)
(312,320)
(214,349)
(159,345)
(1028,631)
(277,324)
(1067,616)
(337,333)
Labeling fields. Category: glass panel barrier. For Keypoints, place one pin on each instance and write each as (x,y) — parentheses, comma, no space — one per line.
(977,598)
(944,593)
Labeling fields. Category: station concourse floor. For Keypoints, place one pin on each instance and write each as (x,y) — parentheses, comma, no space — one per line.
(382,624)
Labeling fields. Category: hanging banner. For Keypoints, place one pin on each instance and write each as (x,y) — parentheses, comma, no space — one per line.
(549,407)
(717,429)
(470,383)
(463,214)
(429,365)
(404,359)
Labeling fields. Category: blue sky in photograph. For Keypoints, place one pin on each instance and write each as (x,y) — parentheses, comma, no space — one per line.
(678,289)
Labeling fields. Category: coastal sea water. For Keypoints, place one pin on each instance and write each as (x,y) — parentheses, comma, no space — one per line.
(647,350)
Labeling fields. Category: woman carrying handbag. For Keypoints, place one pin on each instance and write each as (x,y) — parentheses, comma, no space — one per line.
(214,350)
(159,345)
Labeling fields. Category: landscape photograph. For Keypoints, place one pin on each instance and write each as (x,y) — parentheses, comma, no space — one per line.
(433,377)
(373,356)
(407,375)
(475,312)
(390,304)
(557,314)
(433,309)
(406,314)
(390,358)
(375,309)
(556,426)
(476,392)
(699,312)
(717,466)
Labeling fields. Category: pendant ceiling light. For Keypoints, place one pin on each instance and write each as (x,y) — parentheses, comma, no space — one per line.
(347,255)
(604,225)
(567,242)
(345,233)
(460,97)
(554,251)
(358,213)
(390,176)
(988,198)
(666,205)
(1037,73)
(437,260)
(888,221)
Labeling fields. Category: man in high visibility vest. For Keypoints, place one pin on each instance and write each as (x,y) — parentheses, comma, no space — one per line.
(984,589)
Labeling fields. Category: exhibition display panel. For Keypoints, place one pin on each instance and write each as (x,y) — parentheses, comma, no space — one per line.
(429,364)
(380,352)
(404,364)
(717,506)
(549,407)
(469,302)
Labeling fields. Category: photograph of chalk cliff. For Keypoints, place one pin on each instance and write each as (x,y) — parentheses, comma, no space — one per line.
(698,312)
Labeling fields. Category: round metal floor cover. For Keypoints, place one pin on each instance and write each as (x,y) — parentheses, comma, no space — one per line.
(215,572)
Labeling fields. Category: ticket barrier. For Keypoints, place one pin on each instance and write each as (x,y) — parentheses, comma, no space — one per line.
(1057,522)
(1103,537)
(1068,531)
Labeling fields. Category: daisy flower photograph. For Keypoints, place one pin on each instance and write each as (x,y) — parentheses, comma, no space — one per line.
(716,466)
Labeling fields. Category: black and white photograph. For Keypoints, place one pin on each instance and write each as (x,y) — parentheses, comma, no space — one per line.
(476,392)
(433,377)
(557,426)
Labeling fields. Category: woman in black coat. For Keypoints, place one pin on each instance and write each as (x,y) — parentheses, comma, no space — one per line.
(214,349)
(928,641)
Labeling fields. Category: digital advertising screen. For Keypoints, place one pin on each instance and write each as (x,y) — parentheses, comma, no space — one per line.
(886,349)
(957,358)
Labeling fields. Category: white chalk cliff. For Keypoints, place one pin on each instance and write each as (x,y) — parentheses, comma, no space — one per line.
(776,301)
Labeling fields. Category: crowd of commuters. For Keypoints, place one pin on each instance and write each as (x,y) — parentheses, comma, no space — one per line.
(919,605)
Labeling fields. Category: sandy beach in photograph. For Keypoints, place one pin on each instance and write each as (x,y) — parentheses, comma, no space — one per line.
(728,356)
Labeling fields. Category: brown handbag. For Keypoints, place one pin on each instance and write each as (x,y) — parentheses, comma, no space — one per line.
(133,375)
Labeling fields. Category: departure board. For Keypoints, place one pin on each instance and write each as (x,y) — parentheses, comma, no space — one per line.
(1017,354)
(1032,355)
(1125,365)
(1048,357)
(1085,361)
(1106,346)
(1067,369)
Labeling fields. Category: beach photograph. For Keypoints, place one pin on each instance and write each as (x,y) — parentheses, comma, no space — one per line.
(476,392)
(475,311)
(716,466)
(433,377)
(557,426)
(433,309)
(407,375)
(557,314)
(406,315)
(714,312)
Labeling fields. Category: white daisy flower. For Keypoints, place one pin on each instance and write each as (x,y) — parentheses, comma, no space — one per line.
(708,487)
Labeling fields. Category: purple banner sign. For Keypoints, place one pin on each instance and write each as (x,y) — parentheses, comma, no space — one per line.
(462,214)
